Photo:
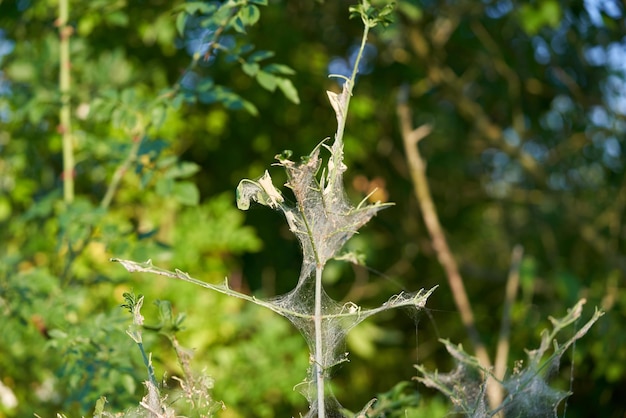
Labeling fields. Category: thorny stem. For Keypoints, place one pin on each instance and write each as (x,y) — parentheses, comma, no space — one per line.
(417,167)
(65,127)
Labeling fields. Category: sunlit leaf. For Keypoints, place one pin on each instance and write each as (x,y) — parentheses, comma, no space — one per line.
(279,69)
(249,15)
(186,192)
(250,69)
(181,19)
(260,56)
(266,80)
(288,89)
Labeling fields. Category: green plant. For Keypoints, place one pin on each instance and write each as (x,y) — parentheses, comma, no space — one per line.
(193,397)
(88,154)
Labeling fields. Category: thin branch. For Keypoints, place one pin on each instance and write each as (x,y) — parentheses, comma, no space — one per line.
(65,127)
(319,346)
(512,286)
(213,45)
(417,168)
(120,171)
(439,74)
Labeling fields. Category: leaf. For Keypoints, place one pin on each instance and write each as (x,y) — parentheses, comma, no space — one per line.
(99,409)
(117,18)
(186,192)
(158,115)
(164,187)
(250,108)
(288,89)
(279,69)
(177,101)
(249,15)
(183,169)
(251,69)
(57,333)
(534,17)
(181,19)
(266,80)
(198,7)
(372,16)
(261,191)
(205,84)
(238,25)
(260,56)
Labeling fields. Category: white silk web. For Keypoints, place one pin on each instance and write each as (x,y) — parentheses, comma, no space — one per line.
(323,219)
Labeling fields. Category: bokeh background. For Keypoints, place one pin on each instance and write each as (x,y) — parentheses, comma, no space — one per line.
(527,100)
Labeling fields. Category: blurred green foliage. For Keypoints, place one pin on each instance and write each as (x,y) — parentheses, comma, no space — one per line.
(184,99)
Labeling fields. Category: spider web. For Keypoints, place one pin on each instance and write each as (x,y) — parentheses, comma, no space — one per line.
(323,220)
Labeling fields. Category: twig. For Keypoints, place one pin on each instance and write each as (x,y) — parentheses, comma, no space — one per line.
(213,45)
(65,128)
(512,286)
(120,171)
(319,346)
(417,167)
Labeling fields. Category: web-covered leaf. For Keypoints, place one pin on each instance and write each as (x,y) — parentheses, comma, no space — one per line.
(322,217)
(527,388)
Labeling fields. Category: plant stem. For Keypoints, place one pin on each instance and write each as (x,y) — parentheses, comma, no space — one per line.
(319,348)
(320,367)
(350,83)
(65,32)
(512,285)
(119,172)
(148,363)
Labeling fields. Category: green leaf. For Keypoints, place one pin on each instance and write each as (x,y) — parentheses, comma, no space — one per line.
(279,69)
(288,89)
(177,101)
(260,55)
(183,169)
(535,17)
(99,409)
(158,115)
(372,16)
(249,15)
(166,161)
(198,7)
(266,80)
(250,69)
(238,25)
(205,85)
(57,333)
(186,192)
(411,11)
(117,18)
(181,19)
(164,187)
(250,108)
